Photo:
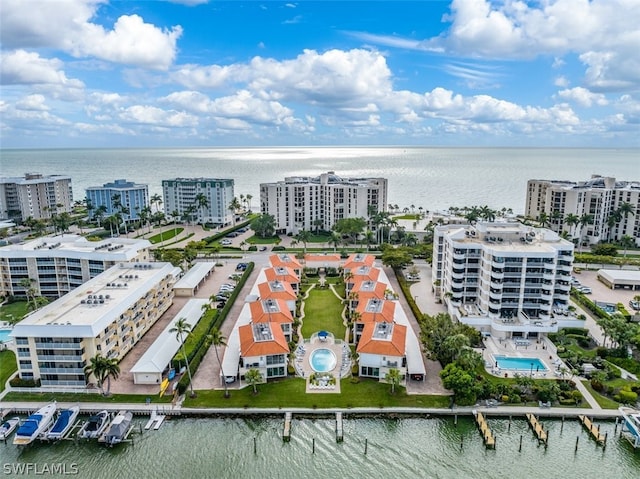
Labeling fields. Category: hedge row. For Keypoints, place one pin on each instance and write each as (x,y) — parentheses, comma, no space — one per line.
(222,234)
(590,305)
(216,322)
(196,339)
(404,286)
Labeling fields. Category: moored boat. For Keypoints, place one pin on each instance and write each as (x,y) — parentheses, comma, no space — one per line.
(8,427)
(35,425)
(95,425)
(64,423)
(119,429)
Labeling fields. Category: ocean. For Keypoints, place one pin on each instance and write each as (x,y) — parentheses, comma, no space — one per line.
(431,178)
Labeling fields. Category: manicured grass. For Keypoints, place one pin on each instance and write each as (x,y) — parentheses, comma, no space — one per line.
(291,393)
(8,366)
(408,216)
(166,235)
(259,240)
(322,311)
(86,397)
(13,312)
(604,402)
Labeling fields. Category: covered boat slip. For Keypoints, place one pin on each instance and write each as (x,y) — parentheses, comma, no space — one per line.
(191,281)
(149,368)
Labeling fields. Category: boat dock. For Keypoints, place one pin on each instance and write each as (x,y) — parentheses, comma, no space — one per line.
(537,427)
(339,429)
(286,434)
(155,420)
(487,436)
(593,430)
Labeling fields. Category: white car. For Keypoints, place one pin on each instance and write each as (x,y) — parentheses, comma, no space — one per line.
(226,242)
(584,289)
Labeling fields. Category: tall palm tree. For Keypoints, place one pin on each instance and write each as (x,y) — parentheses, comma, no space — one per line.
(201,201)
(156,200)
(335,240)
(543,219)
(585,219)
(572,221)
(627,242)
(29,291)
(248,198)
(182,330)
(303,237)
(218,340)
(96,367)
(111,370)
(253,377)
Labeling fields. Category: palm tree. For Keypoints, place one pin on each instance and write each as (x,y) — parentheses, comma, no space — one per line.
(613,219)
(543,219)
(624,210)
(99,214)
(253,377)
(201,201)
(29,290)
(335,240)
(96,367)
(571,221)
(248,198)
(585,219)
(234,206)
(393,378)
(182,330)
(156,200)
(303,237)
(627,242)
(217,339)
(111,370)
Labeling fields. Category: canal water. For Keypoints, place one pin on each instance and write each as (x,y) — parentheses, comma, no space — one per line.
(395,448)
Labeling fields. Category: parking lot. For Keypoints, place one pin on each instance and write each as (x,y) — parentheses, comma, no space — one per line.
(600,292)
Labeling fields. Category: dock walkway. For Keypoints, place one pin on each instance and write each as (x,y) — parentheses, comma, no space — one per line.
(593,430)
(537,427)
(487,436)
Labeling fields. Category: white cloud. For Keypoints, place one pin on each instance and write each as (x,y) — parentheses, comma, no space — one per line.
(32,102)
(22,67)
(583,97)
(561,81)
(151,115)
(66,25)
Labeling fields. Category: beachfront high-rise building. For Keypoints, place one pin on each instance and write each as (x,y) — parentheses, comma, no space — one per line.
(35,196)
(613,206)
(56,265)
(505,279)
(107,315)
(309,203)
(132,197)
(203,200)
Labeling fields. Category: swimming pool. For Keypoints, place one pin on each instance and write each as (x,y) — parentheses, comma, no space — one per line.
(4,336)
(323,360)
(519,364)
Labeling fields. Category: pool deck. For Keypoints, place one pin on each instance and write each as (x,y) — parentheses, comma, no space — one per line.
(509,347)
(304,366)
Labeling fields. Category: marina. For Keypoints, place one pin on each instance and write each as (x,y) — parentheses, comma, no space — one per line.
(377,447)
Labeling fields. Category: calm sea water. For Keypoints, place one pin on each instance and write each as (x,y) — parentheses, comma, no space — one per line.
(434,178)
(396,448)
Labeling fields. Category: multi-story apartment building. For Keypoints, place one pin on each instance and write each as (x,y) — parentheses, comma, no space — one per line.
(309,203)
(133,198)
(203,200)
(35,196)
(59,264)
(107,315)
(505,279)
(600,197)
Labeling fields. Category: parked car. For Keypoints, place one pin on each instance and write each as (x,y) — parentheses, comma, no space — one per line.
(635,305)
(584,289)
(229,379)
(221,297)
(233,234)
(226,242)
(221,304)
(241,266)
(263,248)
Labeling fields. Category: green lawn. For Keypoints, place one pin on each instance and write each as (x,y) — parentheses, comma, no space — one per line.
(604,402)
(8,366)
(86,397)
(291,393)
(322,311)
(259,240)
(409,216)
(166,235)
(13,312)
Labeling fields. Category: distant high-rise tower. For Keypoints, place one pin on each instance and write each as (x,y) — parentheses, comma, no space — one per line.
(203,200)
(35,196)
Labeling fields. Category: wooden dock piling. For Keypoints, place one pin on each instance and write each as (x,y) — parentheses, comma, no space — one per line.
(594,430)
(339,429)
(537,428)
(487,436)
(286,435)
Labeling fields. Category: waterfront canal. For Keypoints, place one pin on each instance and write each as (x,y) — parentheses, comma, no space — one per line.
(395,448)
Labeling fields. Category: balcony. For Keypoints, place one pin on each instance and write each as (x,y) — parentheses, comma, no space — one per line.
(61,371)
(59,345)
(60,357)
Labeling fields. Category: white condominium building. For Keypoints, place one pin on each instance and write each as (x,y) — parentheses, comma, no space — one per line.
(310,203)
(600,197)
(132,196)
(505,279)
(203,200)
(107,315)
(56,265)
(35,196)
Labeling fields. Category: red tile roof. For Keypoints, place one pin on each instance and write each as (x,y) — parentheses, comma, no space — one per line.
(260,315)
(250,347)
(386,314)
(395,346)
(275,273)
(287,260)
(357,260)
(285,291)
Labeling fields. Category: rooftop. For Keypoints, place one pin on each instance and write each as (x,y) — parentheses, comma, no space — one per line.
(75,246)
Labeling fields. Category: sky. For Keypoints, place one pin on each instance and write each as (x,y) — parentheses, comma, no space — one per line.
(198,73)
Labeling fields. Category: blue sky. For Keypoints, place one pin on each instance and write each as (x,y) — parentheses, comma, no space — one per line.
(84,73)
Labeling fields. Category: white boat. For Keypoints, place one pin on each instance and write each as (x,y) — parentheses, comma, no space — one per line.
(66,420)
(36,424)
(119,429)
(631,425)
(95,426)
(8,427)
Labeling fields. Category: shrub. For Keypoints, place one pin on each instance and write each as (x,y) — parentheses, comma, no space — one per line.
(252,248)
(278,248)
(18,382)
(627,397)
